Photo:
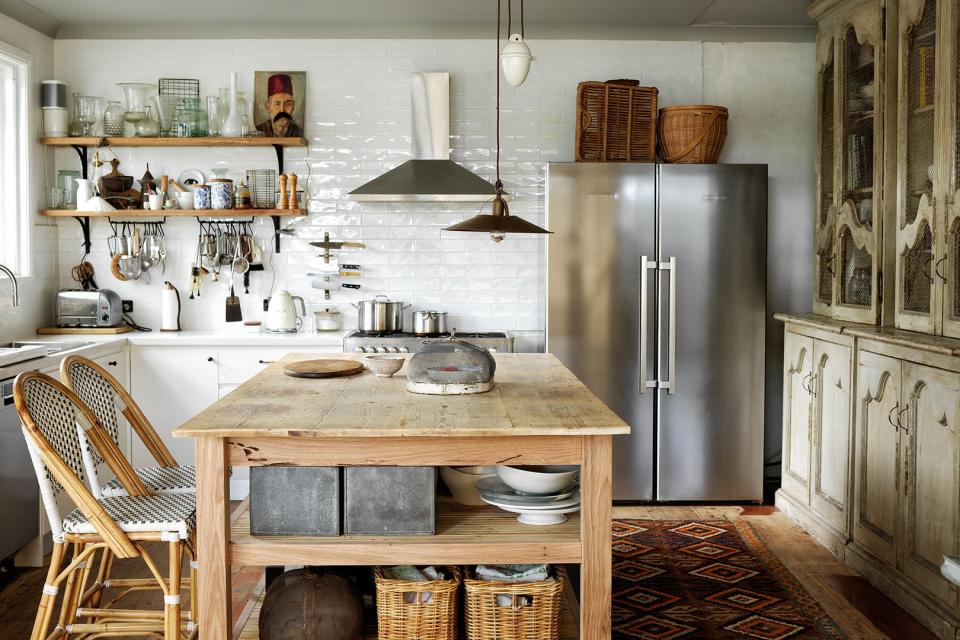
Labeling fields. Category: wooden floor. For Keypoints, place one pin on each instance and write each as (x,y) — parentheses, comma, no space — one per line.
(862,611)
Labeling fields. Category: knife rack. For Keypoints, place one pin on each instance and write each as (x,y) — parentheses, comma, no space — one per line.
(328,246)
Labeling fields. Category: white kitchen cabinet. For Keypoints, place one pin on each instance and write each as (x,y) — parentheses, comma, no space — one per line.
(878,456)
(797,370)
(930,526)
(830,473)
(171,385)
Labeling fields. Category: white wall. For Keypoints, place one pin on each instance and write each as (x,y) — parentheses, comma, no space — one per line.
(358,126)
(36,290)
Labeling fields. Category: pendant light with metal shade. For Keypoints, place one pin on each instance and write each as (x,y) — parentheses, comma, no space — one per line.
(498,223)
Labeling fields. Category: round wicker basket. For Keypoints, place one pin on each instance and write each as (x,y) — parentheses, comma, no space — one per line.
(692,134)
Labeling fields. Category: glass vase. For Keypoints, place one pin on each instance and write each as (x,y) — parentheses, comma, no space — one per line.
(147,127)
(113,119)
(213,116)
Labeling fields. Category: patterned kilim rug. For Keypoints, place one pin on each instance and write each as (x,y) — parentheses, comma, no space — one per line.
(706,579)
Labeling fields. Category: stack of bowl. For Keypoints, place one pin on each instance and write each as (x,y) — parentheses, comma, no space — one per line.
(540,495)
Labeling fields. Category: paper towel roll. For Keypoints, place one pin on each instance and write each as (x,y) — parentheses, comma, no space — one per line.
(169,309)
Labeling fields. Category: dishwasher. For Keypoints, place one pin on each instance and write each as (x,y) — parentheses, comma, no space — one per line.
(19,493)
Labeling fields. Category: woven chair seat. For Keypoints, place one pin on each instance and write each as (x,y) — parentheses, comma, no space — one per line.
(159,480)
(165,514)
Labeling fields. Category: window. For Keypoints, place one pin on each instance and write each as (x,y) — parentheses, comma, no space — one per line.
(14,163)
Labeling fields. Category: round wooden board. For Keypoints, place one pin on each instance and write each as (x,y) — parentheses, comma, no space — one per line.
(322,368)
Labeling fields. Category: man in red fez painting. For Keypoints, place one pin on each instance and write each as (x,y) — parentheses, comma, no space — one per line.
(280,106)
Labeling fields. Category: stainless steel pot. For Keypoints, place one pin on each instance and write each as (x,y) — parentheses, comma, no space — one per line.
(380,315)
(429,323)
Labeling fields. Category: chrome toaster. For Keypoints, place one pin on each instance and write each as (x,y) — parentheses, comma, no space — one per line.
(78,308)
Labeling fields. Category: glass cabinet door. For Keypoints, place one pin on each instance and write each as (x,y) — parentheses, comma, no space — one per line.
(947,264)
(826,213)
(858,218)
(916,227)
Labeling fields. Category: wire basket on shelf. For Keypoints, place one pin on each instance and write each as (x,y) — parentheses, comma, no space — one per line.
(263,187)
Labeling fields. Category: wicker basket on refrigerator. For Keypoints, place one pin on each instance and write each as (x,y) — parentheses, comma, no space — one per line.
(431,614)
(616,122)
(532,614)
(692,133)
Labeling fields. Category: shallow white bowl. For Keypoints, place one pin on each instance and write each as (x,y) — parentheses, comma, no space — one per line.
(384,366)
(539,479)
(462,487)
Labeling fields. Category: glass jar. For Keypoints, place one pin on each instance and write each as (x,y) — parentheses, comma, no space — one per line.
(241,196)
(113,119)
(192,118)
(213,115)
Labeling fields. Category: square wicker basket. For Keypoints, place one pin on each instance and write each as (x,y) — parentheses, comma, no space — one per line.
(432,614)
(533,612)
(616,122)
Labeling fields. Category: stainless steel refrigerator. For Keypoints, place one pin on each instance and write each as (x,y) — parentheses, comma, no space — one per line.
(657,301)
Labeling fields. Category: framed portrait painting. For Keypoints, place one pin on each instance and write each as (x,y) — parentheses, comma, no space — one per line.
(279,102)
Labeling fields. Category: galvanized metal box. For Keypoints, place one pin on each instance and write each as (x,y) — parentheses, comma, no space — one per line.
(390,500)
(295,501)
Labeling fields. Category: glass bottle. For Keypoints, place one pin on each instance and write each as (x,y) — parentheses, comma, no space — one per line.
(147,127)
(244,106)
(113,119)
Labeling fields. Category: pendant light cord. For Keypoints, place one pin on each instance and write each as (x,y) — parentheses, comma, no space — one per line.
(499,184)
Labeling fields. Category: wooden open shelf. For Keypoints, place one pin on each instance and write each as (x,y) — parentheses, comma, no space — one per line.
(249,629)
(465,535)
(214,141)
(170,213)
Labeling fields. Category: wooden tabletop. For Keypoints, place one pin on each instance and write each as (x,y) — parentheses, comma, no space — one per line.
(534,395)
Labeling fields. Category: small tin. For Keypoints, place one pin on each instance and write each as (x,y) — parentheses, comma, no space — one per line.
(221,193)
(201,196)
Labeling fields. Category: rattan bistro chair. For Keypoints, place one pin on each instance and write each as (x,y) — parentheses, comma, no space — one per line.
(105,396)
(52,417)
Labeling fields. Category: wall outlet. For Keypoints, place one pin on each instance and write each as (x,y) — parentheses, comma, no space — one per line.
(127,306)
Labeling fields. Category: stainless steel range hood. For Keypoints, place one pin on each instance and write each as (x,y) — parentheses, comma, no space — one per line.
(431,176)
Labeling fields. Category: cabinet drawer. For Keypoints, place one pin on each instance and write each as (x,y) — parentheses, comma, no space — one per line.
(239,365)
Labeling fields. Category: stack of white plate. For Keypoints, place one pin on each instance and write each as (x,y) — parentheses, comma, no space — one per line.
(535,509)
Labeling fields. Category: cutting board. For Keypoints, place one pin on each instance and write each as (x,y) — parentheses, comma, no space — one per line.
(322,368)
(80,331)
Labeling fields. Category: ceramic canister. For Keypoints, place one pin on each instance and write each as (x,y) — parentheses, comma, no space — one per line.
(221,193)
(201,196)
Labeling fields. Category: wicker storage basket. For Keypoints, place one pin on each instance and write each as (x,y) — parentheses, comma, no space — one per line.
(435,619)
(692,133)
(616,122)
(533,615)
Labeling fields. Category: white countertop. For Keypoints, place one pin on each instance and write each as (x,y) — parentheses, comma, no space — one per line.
(104,344)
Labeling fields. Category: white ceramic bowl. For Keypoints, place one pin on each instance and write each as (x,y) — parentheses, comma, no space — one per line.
(462,487)
(539,479)
(384,366)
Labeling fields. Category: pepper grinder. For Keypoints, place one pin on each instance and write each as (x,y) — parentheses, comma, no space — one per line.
(282,204)
(292,201)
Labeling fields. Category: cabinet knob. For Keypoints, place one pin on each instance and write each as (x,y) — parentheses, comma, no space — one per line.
(112,363)
(210,359)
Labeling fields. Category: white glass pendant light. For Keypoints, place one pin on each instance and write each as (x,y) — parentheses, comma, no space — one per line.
(515,58)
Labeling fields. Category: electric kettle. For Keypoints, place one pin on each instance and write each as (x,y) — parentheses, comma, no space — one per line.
(282,313)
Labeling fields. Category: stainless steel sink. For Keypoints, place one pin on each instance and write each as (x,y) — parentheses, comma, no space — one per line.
(52,347)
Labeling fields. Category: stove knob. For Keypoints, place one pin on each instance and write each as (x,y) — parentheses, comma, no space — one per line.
(393,350)
(492,349)
(381,349)
(404,350)
(360,350)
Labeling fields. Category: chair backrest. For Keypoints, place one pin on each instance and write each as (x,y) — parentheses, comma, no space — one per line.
(52,416)
(104,394)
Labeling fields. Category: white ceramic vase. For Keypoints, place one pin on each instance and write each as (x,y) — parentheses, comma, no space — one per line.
(232,126)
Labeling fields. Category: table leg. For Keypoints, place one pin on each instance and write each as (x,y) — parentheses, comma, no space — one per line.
(213,532)
(596,588)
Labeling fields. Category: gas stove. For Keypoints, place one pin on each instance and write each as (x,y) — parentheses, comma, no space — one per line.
(405,342)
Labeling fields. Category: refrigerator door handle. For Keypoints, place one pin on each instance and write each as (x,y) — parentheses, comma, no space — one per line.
(645,265)
(670,384)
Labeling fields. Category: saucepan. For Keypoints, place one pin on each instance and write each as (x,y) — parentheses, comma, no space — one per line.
(429,323)
(380,315)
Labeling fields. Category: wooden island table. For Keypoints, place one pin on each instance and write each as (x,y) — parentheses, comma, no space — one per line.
(538,413)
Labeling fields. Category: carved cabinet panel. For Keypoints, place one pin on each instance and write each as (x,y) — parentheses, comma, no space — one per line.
(797,402)
(830,475)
